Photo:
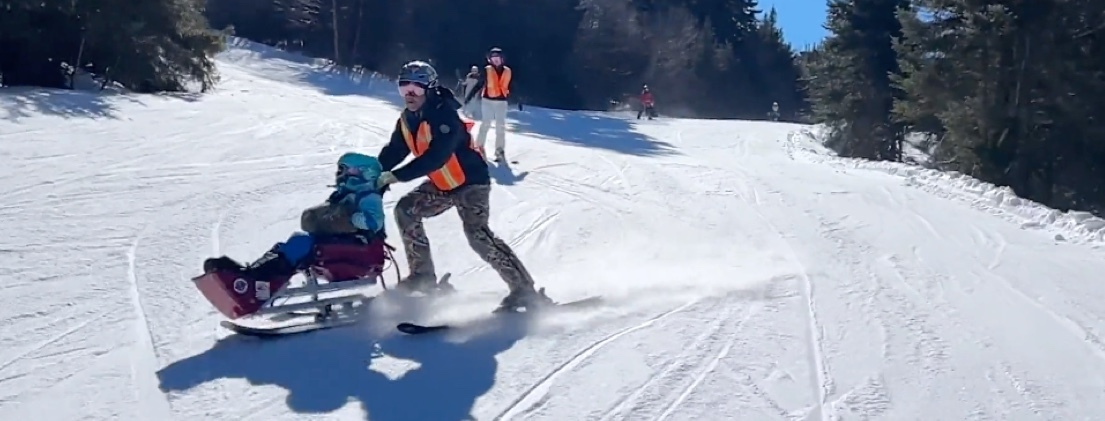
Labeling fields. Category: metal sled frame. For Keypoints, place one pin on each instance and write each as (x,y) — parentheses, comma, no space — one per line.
(325,307)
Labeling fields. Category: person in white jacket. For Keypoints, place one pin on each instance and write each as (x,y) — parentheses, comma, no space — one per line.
(469,85)
(494,84)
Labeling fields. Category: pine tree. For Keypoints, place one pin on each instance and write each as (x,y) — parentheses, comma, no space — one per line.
(1014,90)
(850,80)
(158,45)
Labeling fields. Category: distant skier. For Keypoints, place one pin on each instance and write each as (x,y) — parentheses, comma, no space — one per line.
(495,86)
(647,104)
(432,130)
(468,86)
(353,214)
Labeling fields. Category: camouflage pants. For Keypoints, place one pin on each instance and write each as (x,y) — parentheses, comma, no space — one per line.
(327,219)
(473,205)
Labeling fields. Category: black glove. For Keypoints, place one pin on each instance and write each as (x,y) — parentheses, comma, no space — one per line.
(336,197)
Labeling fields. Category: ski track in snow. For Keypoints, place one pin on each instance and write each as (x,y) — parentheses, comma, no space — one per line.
(144,363)
(749,274)
(534,396)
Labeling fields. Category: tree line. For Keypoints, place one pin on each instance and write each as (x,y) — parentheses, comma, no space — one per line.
(1009,92)
(1006,91)
(704,58)
(707,58)
(146,46)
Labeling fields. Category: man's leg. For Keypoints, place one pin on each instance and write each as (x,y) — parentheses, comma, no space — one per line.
(423,202)
(487,115)
(473,206)
(297,249)
(500,127)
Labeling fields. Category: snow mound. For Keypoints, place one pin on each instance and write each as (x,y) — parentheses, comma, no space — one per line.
(1075,226)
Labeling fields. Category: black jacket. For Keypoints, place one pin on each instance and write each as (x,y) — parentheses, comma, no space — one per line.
(450,138)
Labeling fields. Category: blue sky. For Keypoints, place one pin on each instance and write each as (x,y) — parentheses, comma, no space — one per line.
(801,20)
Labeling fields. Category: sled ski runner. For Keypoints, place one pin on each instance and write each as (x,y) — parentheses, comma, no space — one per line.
(316,314)
(412,328)
(288,329)
(307,316)
(335,289)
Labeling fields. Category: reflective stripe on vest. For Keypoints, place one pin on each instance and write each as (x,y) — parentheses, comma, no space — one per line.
(498,85)
(449,176)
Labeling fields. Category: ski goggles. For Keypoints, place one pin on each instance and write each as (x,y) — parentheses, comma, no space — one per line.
(346,171)
(407,87)
(496,59)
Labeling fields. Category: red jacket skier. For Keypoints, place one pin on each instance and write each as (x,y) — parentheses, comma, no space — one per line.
(647,104)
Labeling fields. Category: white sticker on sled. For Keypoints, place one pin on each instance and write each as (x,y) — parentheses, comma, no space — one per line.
(261,290)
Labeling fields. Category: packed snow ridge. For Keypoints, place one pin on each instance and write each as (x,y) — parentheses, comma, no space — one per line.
(748,273)
(1075,226)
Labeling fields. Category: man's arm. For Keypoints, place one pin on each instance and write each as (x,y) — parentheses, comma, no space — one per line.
(395,150)
(448,132)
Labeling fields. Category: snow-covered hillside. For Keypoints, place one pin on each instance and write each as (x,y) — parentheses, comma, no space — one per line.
(750,276)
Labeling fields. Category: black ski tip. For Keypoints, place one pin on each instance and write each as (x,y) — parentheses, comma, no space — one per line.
(417,329)
(583,302)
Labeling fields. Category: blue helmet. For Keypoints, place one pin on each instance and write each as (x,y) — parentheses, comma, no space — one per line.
(419,72)
(369,167)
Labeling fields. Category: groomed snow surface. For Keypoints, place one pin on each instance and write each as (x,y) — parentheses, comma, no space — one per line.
(749,274)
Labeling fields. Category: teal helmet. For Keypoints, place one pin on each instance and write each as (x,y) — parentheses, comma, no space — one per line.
(367,166)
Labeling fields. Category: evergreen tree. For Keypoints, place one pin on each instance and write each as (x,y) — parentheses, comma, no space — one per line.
(1013,89)
(157,45)
(850,80)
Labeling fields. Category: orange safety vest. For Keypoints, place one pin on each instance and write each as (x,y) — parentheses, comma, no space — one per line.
(447,177)
(498,85)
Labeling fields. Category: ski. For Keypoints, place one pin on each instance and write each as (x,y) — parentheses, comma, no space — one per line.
(417,329)
(335,318)
(411,328)
(286,330)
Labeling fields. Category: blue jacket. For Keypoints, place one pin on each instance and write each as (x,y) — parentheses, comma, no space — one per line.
(359,193)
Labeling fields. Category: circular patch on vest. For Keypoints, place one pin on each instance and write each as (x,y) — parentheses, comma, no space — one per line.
(444,128)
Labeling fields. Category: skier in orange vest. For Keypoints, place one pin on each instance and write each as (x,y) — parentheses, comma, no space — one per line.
(495,87)
(431,128)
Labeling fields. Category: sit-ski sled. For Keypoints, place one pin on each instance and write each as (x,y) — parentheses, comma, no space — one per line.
(347,270)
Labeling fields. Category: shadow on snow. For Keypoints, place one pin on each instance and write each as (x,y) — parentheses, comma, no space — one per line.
(323,370)
(589,129)
(24,102)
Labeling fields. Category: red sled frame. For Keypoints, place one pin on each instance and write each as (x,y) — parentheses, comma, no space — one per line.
(350,274)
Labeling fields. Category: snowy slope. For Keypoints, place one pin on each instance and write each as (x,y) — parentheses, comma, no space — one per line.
(751,275)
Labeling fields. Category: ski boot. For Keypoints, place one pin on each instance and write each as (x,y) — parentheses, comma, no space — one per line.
(425,284)
(528,299)
(238,290)
(271,265)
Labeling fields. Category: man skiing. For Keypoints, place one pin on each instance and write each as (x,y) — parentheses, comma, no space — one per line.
(495,86)
(431,129)
(352,215)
